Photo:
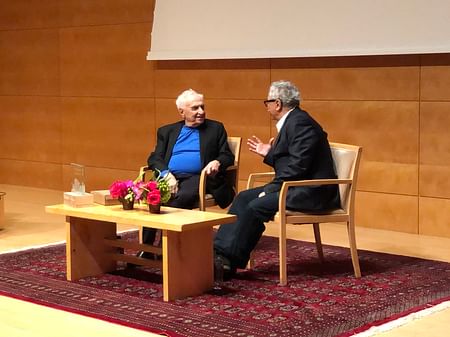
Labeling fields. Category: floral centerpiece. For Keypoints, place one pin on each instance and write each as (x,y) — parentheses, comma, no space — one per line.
(126,191)
(154,192)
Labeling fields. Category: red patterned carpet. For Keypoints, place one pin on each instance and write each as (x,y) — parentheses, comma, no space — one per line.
(320,299)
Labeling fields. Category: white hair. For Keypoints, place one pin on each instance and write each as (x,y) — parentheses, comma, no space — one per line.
(285,91)
(186,96)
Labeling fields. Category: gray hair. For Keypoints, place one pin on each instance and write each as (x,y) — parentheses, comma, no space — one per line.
(186,96)
(286,92)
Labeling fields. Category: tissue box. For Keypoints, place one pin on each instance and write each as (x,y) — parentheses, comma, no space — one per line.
(75,199)
(103,197)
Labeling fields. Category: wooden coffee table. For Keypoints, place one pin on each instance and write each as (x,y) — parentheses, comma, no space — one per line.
(93,246)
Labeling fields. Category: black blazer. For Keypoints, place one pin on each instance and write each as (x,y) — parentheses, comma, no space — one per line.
(301,152)
(213,146)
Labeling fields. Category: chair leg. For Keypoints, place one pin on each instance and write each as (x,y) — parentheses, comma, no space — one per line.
(318,241)
(251,262)
(282,247)
(353,249)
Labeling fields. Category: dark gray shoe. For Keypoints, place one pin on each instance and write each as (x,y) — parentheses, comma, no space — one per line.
(223,269)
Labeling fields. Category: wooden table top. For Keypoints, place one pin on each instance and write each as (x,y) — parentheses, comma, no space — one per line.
(174,219)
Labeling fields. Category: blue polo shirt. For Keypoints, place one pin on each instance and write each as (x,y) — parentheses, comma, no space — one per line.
(186,152)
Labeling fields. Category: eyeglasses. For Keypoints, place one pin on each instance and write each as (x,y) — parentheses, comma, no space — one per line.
(269,101)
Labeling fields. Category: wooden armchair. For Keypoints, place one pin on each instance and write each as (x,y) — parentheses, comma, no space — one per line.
(232,175)
(346,159)
(207,200)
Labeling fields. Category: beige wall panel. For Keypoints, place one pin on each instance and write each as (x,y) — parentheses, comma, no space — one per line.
(165,113)
(434,217)
(242,184)
(30,128)
(30,173)
(435,149)
(30,67)
(387,211)
(435,78)
(102,12)
(238,79)
(352,78)
(110,133)
(434,133)
(106,61)
(26,14)
(388,133)
(97,178)
(388,177)
(434,181)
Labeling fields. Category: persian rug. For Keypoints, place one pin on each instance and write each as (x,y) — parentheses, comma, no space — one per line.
(321,299)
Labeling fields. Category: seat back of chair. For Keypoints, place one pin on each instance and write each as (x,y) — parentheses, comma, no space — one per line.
(346,164)
(235,146)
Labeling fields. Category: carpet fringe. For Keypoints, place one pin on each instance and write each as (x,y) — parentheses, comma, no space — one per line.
(403,320)
(51,244)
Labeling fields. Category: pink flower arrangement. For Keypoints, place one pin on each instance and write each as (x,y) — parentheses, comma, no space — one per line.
(153,192)
(125,190)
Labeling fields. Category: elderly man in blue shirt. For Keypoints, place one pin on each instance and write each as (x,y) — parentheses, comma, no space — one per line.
(183,149)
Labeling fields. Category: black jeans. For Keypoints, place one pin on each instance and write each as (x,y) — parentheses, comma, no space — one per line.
(236,241)
(186,197)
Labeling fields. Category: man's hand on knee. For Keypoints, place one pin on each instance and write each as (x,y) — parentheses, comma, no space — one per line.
(173,183)
(212,168)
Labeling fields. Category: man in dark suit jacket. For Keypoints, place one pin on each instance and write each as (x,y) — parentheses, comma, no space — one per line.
(185,148)
(300,151)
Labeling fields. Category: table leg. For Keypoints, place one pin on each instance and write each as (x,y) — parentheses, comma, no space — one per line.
(86,254)
(188,268)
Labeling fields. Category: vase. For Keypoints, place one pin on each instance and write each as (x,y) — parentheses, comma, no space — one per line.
(127,204)
(156,209)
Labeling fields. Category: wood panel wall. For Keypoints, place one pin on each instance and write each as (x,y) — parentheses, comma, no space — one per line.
(75,87)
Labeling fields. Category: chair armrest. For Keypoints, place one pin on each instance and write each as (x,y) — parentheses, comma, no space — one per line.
(202,190)
(202,185)
(316,182)
(254,176)
(313,182)
(142,171)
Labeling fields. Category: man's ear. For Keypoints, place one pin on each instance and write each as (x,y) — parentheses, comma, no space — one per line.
(279,106)
(181,112)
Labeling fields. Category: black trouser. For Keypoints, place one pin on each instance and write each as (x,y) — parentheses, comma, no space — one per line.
(186,197)
(236,241)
